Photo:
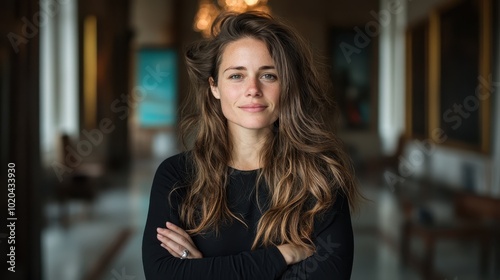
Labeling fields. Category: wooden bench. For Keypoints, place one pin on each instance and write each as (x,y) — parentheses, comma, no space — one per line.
(475,218)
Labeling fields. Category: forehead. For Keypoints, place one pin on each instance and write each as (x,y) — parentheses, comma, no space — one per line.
(246,48)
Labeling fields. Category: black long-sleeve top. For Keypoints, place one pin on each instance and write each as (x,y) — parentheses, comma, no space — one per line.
(228,255)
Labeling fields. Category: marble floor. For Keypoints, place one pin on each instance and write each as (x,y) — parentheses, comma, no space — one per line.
(103,239)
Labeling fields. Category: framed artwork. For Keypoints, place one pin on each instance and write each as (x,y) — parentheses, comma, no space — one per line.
(157,79)
(354,82)
(460,73)
(417,79)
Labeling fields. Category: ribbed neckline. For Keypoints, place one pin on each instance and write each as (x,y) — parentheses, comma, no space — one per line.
(245,172)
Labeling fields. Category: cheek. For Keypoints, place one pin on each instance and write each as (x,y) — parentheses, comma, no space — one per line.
(229,95)
(227,104)
(276,98)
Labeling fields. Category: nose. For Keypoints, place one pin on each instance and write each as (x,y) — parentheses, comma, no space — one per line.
(253,89)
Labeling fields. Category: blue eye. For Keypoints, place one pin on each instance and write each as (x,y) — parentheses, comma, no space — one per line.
(271,77)
(235,76)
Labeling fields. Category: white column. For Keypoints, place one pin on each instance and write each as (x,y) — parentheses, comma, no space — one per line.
(59,110)
(385,86)
(48,88)
(392,74)
(68,65)
(399,68)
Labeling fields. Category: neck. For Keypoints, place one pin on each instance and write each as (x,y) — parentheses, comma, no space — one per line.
(247,149)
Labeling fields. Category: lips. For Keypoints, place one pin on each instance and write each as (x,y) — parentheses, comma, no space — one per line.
(253,108)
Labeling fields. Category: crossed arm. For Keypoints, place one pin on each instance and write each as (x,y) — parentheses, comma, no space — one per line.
(175,240)
(163,244)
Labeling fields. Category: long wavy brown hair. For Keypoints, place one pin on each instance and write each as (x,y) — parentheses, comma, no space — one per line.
(303,164)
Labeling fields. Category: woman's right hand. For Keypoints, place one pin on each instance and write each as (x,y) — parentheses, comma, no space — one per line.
(175,240)
(294,254)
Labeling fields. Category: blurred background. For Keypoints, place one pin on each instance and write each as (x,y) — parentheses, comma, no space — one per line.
(90,92)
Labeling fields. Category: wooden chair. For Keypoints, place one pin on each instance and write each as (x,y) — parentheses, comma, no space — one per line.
(80,185)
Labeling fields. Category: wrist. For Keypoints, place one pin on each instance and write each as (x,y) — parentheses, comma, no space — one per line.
(287,253)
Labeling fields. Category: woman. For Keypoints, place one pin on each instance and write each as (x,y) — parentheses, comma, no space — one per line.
(264,191)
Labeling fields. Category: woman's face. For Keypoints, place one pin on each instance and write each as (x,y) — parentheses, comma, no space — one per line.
(248,85)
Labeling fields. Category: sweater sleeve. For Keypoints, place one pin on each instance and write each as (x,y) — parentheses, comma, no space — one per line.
(334,247)
(159,264)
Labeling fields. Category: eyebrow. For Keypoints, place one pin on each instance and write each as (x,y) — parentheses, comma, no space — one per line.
(265,67)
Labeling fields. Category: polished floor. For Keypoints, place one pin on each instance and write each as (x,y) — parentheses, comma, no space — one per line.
(102,240)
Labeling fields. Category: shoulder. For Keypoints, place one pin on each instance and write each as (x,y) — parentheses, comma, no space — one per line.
(330,217)
(174,170)
(177,162)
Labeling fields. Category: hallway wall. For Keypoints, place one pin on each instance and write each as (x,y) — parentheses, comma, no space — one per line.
(446,164)
(315,20)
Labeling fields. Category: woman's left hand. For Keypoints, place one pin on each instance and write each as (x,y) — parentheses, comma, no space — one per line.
(176,240)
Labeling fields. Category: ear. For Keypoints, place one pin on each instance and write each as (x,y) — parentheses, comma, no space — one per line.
(213,88)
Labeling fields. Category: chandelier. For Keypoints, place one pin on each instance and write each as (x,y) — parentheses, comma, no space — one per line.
(209,9)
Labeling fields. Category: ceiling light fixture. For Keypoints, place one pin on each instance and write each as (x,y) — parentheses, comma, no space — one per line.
(208,10)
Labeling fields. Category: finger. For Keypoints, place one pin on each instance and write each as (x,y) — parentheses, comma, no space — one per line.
(179,231)
(172,247)
(172,252)
(177,243)
(182,241)
(183,235)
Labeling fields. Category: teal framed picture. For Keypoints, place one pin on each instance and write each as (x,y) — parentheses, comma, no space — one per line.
(157,83)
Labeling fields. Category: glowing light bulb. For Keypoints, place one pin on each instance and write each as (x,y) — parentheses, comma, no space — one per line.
(251,2)
(209,9)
